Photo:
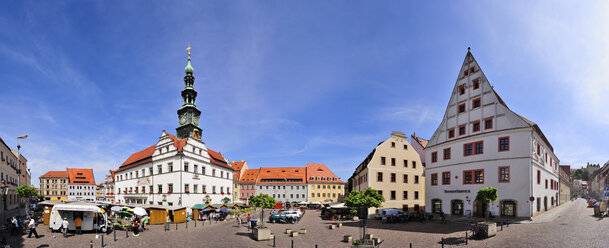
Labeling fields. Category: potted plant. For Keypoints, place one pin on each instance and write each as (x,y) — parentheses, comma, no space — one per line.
(486,196)
(169,192)
(187,191)
(367,199)
(262,201)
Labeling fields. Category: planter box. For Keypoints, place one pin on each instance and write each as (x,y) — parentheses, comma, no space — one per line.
(262,234)
(303,231)
(490,228)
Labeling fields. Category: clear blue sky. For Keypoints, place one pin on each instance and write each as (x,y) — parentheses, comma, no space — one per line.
(283,83)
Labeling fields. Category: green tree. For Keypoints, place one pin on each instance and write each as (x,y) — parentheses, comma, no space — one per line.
(40,197)
(577,174)
(486,196)
(26,191)
(585,175)
(226,200)
(363,200)
(262,201)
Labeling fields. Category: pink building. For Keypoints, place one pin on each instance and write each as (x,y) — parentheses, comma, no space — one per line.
(419,145)
(247,184)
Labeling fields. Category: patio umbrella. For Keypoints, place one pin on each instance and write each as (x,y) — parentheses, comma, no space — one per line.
(116,208)
(125,213)
(140,211)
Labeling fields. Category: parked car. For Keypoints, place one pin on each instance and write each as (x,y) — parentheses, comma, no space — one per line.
(292,214)
(281,218)
(387,212)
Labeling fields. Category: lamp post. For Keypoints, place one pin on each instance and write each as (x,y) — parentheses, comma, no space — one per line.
(19,167)
(4,192)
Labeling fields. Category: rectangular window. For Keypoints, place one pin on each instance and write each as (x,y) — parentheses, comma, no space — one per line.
(479,176)
(546,183)
(468,177)
(392,161)
(185,166)
(473,148)
(488,124)
(160,188)
(380,192)
(504,144)
(504,174)
(416,179)
(446,178)
(434,179)
(476,127)
(462,130)
(414,164)
(473,176)
(472,69)
(170,165)
(392,144)
(405,195)
(393,195)
(447,154)
(479,147)
(546,162)
(461,89)
(538,177)
(476,84)
(434,157)
(170,187)
(538,150)
(476,103)
(405,163)
(405,147)
(393,177)
(379,176)
(467,149)
(383,160)
(405,179)
(461,108)
(451,133)
(416,195)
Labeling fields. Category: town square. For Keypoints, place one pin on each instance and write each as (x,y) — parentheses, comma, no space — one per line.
(304,124)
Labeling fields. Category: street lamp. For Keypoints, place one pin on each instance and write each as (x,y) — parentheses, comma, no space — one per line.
(19,166)
(4,192)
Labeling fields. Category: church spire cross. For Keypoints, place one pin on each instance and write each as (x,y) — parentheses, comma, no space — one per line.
(188,49)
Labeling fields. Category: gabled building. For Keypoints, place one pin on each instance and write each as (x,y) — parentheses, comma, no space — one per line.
(178,170)
(239,167)
(565,183)
(285,184)
(54,185)
(108,193)
(481,142)
(81,185)
(393,168)
(323,185)
(247,184)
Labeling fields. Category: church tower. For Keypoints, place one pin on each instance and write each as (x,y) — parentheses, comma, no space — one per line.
(189,114)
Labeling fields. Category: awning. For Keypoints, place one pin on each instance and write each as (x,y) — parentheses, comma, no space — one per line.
(78,208)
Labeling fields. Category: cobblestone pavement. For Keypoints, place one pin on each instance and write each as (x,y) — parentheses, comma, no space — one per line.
(574,226)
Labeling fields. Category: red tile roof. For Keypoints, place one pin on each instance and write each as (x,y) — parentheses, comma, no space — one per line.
(237,165)
(178,143)
(81,176)
(138,156)
(282,173)
(55,174)
(217,159)
(321,170)
(250,176)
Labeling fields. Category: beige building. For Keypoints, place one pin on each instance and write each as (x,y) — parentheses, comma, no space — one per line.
(565,183)
(239,167)
(54,185)
(323,185)
(393,168)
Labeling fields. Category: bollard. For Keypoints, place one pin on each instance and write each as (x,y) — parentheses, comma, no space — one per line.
(126,233)
(103,241)
(274,241)
(410,245)
(442,242)
(502,223)
(508,224)
(292,243)
(114,235)
(195,223)
(176,226)
(91,243)
(466,238)
(186,224)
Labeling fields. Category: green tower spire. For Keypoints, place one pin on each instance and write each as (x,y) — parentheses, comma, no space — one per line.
(188,114)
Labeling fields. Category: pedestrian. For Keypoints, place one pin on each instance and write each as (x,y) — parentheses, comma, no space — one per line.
(136,228)
(15,225)
(78,222)
(145,222)
(64,227)
(32,227)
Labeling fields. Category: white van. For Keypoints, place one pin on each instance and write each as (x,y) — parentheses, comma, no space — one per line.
(92,217)
(387,212)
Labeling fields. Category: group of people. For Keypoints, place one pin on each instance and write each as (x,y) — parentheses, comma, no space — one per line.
(31,224)
(210,216)
(248,218)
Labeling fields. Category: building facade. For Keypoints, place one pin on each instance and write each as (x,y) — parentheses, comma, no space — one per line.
(393,168)
(579,188)
(239,167)
(54,185)
(480,143)
(176,171)
(81,185)
(9,167)
(323,185)
(100,188)
(419,145)
(108,193)
(285,184)
(247,184)
(598,184)
(565,183)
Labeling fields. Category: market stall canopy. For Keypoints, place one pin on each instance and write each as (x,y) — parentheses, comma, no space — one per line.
(116,208)
(74,207)
(125,213)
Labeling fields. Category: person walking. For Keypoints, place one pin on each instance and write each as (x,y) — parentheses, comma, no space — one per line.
(78,222)
(64,227)
(15,225)
(145,221)
(32,227)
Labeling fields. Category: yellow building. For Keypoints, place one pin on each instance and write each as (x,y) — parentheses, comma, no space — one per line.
(239,167)
(393,168)
(323,185)
(54,185)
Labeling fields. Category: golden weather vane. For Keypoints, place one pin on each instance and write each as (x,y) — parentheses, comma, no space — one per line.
(188,49)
